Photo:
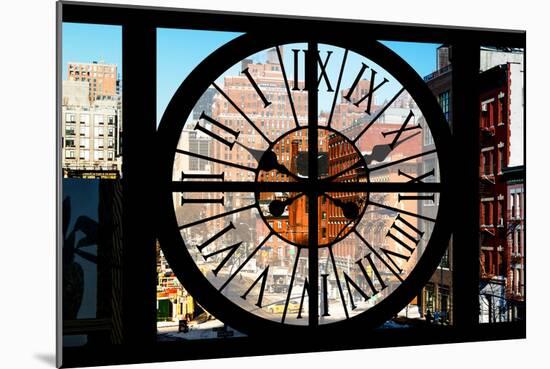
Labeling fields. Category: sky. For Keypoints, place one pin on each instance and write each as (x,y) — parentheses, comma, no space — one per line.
(90,42)
(86,43)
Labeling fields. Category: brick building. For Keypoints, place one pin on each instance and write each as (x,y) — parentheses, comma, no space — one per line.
(91,131)
(101,77)
(502,248)
(291,150)
(437,295)
(273,121)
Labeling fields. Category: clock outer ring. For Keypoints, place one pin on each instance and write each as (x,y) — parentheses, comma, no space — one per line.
(172,243)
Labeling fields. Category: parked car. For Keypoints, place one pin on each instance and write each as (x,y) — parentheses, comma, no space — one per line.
(278,308)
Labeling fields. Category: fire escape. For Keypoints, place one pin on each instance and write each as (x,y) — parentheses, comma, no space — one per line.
(486,189)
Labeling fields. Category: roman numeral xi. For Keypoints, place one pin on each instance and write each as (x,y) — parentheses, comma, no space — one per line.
(372,87)
(214,135)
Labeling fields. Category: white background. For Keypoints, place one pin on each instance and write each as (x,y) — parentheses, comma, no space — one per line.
(27,181)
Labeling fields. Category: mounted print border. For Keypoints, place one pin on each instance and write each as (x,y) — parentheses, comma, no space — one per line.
(206,191)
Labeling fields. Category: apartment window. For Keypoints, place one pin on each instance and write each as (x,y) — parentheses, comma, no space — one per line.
(487,211)
(99,131)
(500,212)
(279,224)
(501,158)
(70,131)
(494,113)
(324,215)
(502,110)
(484,115)
(69,154)
(323,232)
(443,99)
(85,143)
(445,260)
(429,297)
(69,143)
(84,131)
(488,162)
(519,205)
(110,132)
(487,262)
(84,119)
(70,118)
(98,119)
(98,155)
(110,155)
(111,119)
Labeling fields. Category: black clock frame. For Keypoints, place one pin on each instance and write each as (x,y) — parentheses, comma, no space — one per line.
(139,26)
(169,132)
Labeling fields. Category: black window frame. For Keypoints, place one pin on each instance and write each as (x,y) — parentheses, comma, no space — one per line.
(139,24)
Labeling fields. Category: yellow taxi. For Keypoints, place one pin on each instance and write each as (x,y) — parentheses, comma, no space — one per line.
(278,308)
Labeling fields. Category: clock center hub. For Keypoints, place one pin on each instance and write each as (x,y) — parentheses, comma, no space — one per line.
(286,212)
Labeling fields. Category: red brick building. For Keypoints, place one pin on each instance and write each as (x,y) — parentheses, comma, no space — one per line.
(502,247)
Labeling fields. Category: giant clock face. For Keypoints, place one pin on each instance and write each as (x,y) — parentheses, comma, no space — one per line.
(303,184)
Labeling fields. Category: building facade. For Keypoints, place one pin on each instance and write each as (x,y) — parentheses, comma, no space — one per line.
(102,78)
(437,296)
(502,263)
(90,131)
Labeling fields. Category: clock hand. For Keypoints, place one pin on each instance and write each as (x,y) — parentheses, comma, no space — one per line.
(267,160)
(350,209)
(380,152)
(256,154)
(358,164)
(277,207)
